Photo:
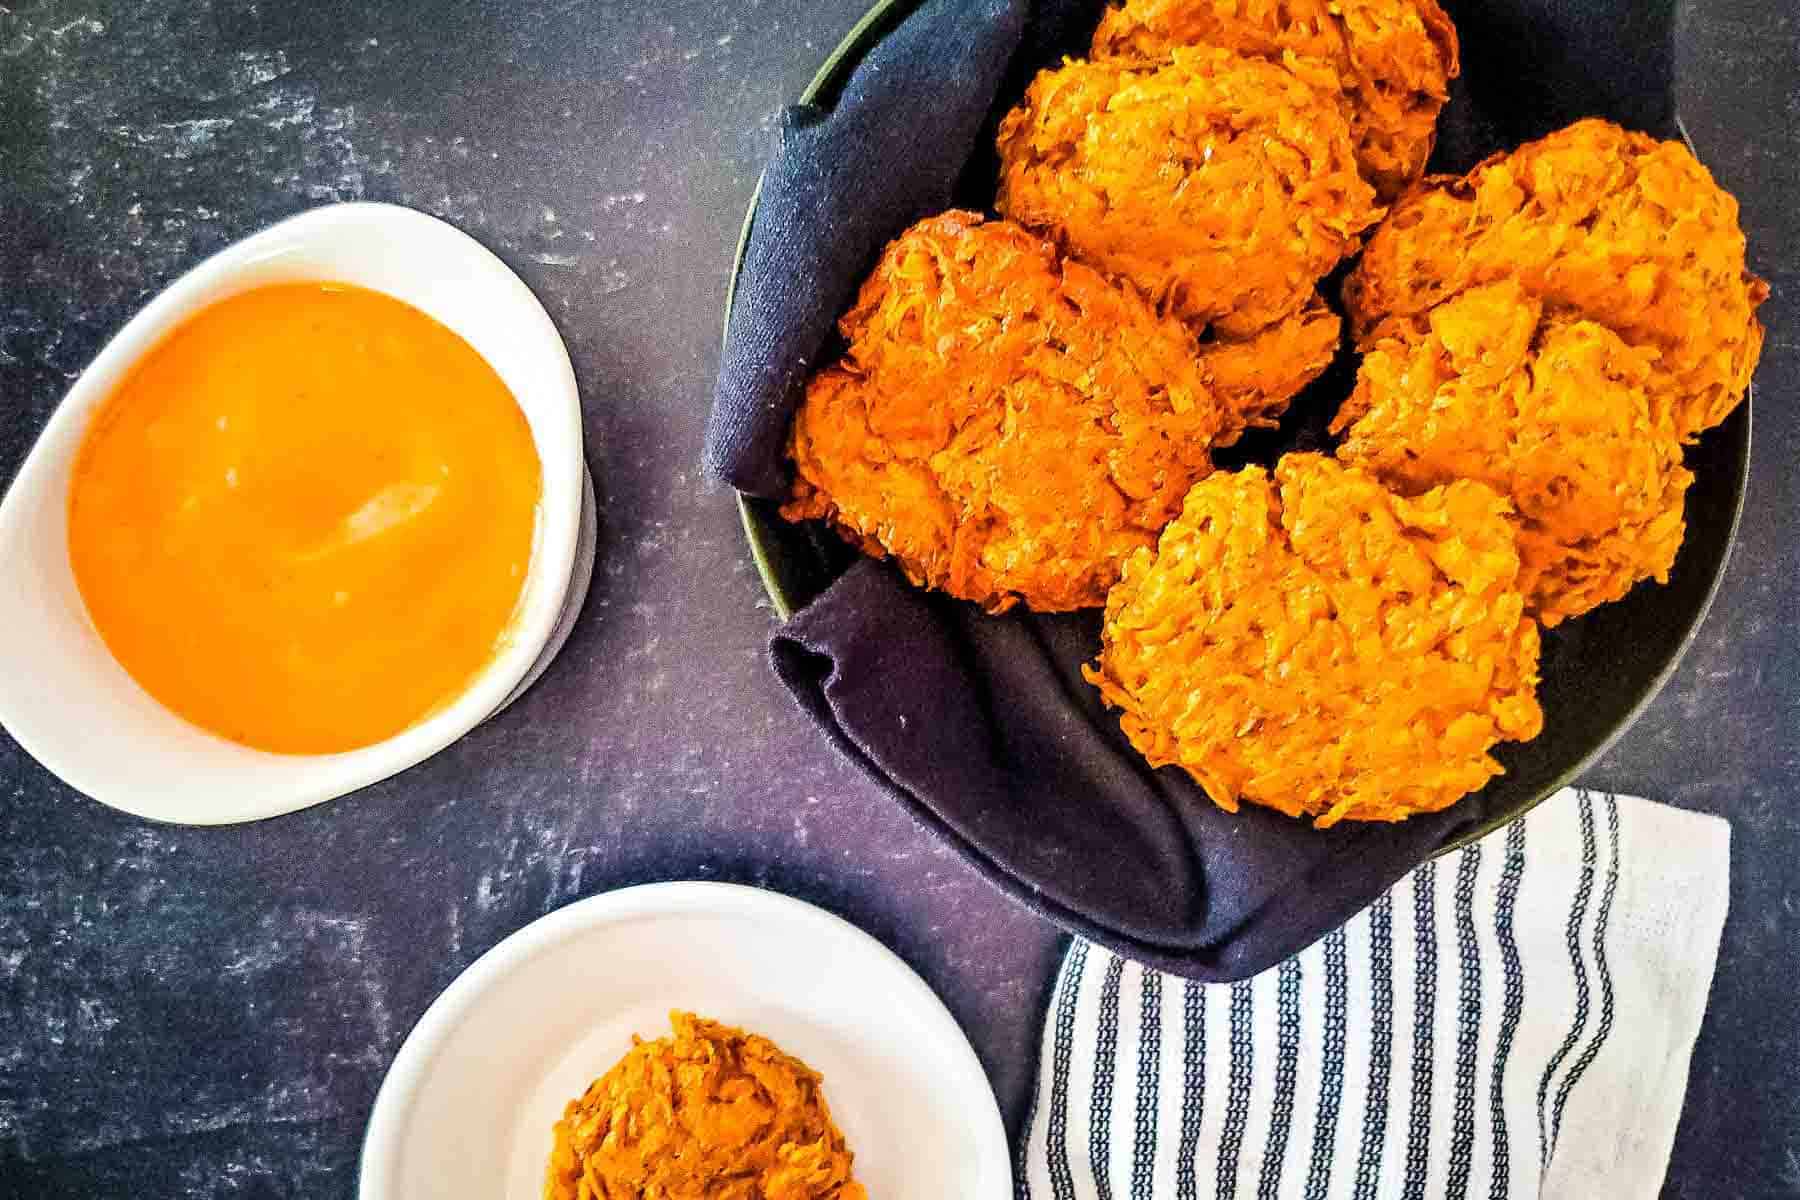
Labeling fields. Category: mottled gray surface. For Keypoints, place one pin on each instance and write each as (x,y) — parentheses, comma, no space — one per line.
(209,1013)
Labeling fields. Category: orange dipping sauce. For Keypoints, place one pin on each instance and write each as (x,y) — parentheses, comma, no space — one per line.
(304,520)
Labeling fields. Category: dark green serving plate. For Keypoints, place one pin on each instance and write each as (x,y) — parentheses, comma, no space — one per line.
(1599,671)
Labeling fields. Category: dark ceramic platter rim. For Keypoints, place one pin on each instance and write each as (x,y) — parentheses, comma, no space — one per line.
(764,528)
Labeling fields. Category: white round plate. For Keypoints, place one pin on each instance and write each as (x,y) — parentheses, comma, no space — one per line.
(467,1107)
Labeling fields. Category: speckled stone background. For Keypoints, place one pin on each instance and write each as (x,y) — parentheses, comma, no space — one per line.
(209,1012)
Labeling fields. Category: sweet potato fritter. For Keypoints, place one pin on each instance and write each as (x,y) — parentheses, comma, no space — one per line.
(1319,645)
(1010,425)
(1225,187)
(1551,410)
(1388,62)
(1620,228)
(712,1113)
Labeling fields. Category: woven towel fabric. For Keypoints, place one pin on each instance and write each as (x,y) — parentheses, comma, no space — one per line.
(1513,1020)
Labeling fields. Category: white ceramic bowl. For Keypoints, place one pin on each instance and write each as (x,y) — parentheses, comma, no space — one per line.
(468,1105)
(74,708)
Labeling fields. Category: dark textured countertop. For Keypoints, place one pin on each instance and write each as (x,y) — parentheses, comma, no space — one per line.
(209,1012)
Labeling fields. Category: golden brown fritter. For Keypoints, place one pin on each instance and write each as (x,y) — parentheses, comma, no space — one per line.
(1009,425)
(1225,187)
(1618,227)
(1554,412)
(1389,63)
(1319,645)
(712,1113)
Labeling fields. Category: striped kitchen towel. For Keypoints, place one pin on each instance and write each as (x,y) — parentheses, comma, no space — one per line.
(1512,1020)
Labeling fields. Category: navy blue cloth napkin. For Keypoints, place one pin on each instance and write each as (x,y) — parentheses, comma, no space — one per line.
(982,725)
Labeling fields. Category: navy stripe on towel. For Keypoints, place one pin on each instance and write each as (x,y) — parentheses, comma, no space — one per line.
(1468,1024)
(1287,1068)
(1237,1099)
(1418,1130)
(1056,1135)
(1512,1004)
(1193,1089)
(1606,984)
(1381,1046)
(1331,1069)
(1106,1061)
(1584,892)
(1149,1068)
